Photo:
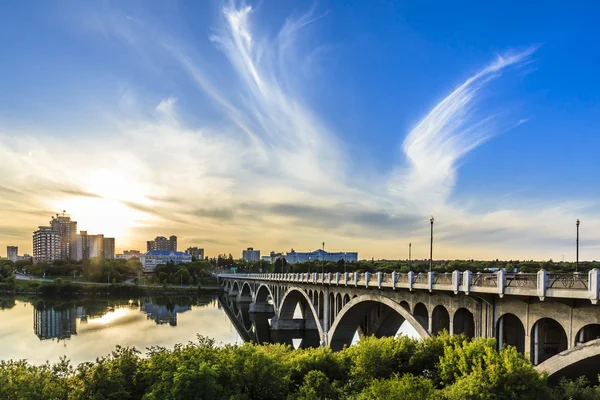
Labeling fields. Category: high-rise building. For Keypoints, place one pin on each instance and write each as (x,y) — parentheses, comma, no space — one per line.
(250,254)
(196,252)
(109,248)
(96,245)
(161,243)
(12,252)
(67,230)
(46,245)
(83,246)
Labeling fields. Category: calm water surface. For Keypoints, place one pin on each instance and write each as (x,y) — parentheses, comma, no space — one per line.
(41,330)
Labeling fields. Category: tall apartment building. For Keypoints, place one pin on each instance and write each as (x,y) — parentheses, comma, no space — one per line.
(250,254)
(96,245)
(109,249)
(67,230)
(196,252)
(161,243)
(83,246)
(12,252)
(46,245)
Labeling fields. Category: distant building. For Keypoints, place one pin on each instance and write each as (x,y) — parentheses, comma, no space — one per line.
(196,252)
(294,257)
(128,254)
(162,243)
(266,258)
(250,254)
(109,249)
(46,245)
(96,245)
(273,257)
(83,246)
(67,230)
(24,257)
(12,253)
(151,259)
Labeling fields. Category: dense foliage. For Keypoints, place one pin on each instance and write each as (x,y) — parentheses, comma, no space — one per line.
(442,367)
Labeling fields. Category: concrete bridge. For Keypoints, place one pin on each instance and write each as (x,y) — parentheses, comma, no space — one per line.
(542,314)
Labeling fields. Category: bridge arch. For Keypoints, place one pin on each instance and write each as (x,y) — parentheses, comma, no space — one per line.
(246,289)
(440,320)
(548,338)
(421,315)
(292,297)
(463,322)
(510,331)
(587,333)
(235,287)
(346,299)
(348,320)
(262,295)
(405,305)
(574,362)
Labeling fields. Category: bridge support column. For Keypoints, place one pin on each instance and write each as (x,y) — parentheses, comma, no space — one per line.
(326,321)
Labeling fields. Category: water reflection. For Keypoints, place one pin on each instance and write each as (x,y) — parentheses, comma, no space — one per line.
(256,327)
(90,328)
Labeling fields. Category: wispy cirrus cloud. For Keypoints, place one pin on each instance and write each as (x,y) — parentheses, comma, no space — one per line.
(447,133)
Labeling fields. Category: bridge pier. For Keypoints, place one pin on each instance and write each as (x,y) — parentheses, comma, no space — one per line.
(261,308)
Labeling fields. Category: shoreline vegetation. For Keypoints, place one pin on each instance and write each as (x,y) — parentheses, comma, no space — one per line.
(60,288)
(441,367)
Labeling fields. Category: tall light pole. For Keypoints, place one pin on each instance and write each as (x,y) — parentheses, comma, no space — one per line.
(577,245)
(409,255)
(323,267)
(431,246)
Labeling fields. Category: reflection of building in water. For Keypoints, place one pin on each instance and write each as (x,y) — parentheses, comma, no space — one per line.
(164,314)
(56,324)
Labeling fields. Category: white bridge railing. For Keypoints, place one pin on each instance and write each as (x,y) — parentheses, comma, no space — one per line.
(542,284)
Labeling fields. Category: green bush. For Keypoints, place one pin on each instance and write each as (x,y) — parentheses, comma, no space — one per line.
(442,367)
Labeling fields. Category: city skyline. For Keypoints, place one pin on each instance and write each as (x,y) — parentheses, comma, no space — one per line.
(277,126)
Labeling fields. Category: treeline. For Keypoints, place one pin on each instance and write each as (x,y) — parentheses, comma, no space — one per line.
(94,269)
(441,367)
(197,272)
(373,266)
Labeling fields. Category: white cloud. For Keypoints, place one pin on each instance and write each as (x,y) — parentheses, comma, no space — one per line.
(450,130)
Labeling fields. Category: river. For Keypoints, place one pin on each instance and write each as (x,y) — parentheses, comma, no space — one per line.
(43,329)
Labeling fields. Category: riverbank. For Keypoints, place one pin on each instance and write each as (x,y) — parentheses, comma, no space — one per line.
(58,288)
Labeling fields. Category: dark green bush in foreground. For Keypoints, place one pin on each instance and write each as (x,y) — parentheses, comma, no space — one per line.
(442,367)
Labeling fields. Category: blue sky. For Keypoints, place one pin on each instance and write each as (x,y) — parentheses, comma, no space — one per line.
(282,124)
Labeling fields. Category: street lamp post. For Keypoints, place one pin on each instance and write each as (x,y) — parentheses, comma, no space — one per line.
(577,245)
(409,255)
(431,246)
(323,267)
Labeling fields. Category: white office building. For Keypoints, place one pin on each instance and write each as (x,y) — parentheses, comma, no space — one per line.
(250,254)
(293,257)
(151,259)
